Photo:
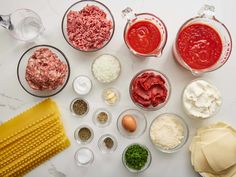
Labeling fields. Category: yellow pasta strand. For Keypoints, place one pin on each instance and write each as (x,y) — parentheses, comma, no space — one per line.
(30,138)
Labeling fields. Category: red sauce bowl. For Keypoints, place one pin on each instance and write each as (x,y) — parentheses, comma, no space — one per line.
(203,44)
(144,34)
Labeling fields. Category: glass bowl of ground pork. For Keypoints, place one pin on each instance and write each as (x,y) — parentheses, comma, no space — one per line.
(88,25)
(43,71)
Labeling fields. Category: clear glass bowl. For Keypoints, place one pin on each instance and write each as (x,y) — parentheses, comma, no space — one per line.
(77,138)
(148,163)
(185,133)
(187,112)
(141,123)
(115,91)
(167,84)
(79,6)
(72,111)
(21,71)
(95,75)
(99,124)
(23,24)
(133,18)
(102,145)
(84,156)
(207,16)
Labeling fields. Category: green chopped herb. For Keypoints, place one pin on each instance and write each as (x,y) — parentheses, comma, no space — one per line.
(136,157)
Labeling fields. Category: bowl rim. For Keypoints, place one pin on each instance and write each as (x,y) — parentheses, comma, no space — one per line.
(134,136)
(148,161)
(94,1)
(168,88)
(186,134)
(68,72)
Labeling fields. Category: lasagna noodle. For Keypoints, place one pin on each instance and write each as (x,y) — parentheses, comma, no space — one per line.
(30,138)
(37,159)
(206,136)
(29,135)
(217,160)
(27,119)
(17,152)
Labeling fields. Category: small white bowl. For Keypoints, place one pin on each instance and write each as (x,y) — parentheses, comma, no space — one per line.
(85,78)
(82,156)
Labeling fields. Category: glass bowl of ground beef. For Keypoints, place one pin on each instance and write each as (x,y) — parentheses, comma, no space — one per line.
(88,25)
(43,71)
(150,90)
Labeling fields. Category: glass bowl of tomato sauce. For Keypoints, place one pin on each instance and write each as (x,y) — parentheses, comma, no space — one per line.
(203,43)
(145,34)
(150,90)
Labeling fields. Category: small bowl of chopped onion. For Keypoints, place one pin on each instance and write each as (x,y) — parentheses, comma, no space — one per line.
(43,71)
(106,68)
(88,25)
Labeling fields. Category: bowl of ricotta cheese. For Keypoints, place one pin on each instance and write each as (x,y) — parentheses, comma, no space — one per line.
(201,99)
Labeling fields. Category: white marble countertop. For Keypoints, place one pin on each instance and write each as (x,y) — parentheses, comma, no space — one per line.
(13,99)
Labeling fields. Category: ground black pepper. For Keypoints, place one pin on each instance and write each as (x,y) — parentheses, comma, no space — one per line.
(80,107)
(108,142)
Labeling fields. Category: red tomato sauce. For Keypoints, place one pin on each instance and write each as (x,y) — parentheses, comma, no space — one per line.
(199,45)
(149,89)
(143,37)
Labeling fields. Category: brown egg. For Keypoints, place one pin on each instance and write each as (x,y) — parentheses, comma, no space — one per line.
(129,123)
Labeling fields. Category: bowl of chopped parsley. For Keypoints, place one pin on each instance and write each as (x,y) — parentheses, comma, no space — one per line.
(136,158)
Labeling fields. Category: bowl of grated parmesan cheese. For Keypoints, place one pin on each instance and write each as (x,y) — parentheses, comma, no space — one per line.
(168,132)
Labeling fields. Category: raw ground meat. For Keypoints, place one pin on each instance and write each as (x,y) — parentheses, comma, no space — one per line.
(149,89)
(45,71)
(89,28)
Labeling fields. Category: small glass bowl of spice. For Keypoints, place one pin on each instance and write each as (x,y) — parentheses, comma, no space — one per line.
(83,134)
(84,156)
(79,107)
(111,96)
(107,143)
(102,117)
